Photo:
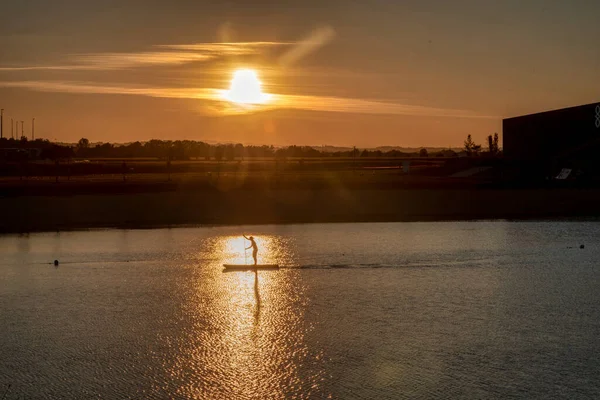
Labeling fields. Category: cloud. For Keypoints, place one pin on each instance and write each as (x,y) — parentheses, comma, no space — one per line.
(129,60)
(362,106)
(173,54)
(87,88)
(279,101)
(224,49)
(48,68)
(317,39)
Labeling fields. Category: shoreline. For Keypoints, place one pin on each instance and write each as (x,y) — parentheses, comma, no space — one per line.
(217,225)
(187,208)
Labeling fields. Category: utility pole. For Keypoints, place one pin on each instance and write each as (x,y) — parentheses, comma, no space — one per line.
(33,129)
(22,128)
(1,122)
(12,128)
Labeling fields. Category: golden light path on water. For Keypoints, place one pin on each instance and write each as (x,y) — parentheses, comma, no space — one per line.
(247,335)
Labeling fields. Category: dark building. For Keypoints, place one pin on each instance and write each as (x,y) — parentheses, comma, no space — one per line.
(553,136)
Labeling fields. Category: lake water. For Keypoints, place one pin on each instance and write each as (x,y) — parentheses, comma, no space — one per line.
(359,311)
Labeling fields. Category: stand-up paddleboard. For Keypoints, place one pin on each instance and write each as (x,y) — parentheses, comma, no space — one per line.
(246,267)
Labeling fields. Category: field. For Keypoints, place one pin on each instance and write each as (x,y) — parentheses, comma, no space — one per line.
(149,193)
(152,166)
(134,175)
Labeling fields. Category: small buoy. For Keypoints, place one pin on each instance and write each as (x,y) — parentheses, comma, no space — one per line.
(582,246)
(56,263)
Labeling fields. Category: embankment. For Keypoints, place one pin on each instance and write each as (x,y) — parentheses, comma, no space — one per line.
(39,212)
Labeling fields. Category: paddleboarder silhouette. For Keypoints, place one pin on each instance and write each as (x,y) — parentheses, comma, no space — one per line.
(253,246)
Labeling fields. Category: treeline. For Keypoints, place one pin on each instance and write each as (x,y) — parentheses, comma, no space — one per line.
(22,149)
(187,150)
(196,150)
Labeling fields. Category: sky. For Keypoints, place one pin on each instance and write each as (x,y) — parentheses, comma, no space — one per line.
(346,73)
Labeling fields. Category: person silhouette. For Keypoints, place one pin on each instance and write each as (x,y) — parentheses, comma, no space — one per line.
(253,246)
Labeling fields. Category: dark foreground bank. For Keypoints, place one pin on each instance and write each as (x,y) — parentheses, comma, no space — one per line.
(27,213)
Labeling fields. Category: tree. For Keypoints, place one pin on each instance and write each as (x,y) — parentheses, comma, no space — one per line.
(229,152)
(423,153)
(493,144)
(135,149)
(239,151)
(219,151)
(496,146)
(83,143)
(471,148)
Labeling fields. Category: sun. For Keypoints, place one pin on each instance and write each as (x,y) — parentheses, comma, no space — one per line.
(246,88)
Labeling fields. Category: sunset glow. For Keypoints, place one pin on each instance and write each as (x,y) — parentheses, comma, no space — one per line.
(301,72)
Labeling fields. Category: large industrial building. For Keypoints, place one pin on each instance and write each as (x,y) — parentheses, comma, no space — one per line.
(554,136)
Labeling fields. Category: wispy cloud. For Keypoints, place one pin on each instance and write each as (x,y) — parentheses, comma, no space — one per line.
(129,60)
(279,101)
(223,49)
(161,55)
(317,39)
(48,68)
(362,106)
(89,88)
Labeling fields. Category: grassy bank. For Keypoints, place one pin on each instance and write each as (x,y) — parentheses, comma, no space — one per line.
(39,212)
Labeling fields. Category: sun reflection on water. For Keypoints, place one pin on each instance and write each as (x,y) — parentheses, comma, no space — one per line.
(247,336)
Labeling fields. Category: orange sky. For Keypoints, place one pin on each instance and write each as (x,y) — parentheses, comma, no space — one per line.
(419,73)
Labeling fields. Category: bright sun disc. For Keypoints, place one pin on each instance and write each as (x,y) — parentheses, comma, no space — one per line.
(246,88)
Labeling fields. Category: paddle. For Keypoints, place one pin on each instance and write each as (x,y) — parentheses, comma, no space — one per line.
(245,251)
